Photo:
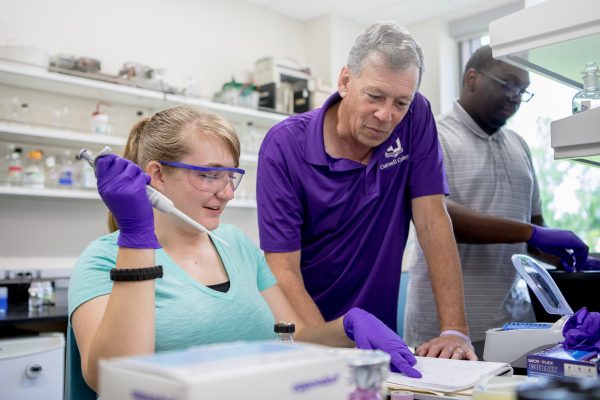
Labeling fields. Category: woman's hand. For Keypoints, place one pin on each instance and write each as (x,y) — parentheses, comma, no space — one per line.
(122,187)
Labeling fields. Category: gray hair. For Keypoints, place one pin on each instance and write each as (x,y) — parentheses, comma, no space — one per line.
(390,41)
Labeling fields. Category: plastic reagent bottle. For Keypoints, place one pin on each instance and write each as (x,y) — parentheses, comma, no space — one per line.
(285,332)
(15,167)
(589,97)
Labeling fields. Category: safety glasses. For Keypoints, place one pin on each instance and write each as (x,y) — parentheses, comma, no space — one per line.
(210,179)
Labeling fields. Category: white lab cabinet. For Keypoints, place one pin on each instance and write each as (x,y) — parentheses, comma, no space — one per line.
(556,38)
(32,368)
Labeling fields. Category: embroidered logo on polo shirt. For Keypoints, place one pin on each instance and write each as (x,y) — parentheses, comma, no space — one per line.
(392,151)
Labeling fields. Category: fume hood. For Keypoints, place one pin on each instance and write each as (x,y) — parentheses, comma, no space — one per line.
(556,38)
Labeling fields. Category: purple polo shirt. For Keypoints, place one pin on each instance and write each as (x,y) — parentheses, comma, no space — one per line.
(349,220)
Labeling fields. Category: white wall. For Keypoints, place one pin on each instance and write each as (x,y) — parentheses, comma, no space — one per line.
(210,39)
(440,81)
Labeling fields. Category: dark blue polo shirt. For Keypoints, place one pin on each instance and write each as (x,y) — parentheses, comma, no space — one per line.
(349,220)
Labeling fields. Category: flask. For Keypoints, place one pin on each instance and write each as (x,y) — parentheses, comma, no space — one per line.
(34,172)
(15,167)
(589,97)
(369,369)
(285,332)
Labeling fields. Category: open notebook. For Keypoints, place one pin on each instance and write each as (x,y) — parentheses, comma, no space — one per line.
(448,376)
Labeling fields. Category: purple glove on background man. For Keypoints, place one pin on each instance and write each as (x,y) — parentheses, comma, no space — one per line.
(368,332)
(122,187)
(561,243)
(582,331)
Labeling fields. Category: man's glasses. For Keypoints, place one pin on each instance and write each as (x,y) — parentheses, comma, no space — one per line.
(510,89)
(210,179)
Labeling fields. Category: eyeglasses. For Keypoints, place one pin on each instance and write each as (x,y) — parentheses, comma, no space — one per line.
(510,89)
(210,179)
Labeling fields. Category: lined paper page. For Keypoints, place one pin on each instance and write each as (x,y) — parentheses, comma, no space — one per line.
(448,376)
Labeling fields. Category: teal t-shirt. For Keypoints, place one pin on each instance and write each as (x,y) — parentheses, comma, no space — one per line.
(187,312)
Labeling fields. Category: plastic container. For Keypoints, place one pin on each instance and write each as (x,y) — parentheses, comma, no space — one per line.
(285,332)
(34,175)
(36,296)
(100,120)
(15,167)
(589,97)
(369,369)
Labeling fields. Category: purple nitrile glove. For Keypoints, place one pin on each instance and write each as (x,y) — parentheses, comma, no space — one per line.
(562,243)
(122,187)
(591,264)
(368,332)
(582,331)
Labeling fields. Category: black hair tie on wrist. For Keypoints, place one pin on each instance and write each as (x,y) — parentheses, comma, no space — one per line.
(136,274)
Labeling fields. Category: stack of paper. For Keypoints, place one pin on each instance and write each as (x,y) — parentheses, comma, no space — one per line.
(448,376)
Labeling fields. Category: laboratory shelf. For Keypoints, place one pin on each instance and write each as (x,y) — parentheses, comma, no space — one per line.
(23,191)
(39,79)
(47,192)
(44,135)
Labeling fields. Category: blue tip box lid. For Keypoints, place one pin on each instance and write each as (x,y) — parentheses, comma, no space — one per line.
(542,284)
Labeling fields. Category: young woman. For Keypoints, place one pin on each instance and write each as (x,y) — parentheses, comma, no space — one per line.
(206,292)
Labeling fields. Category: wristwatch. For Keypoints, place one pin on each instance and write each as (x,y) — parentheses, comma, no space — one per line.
(136,274)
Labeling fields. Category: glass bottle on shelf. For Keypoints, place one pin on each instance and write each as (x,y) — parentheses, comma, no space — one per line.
(52,173)
(4,162)
(589,97)
(66,171)
(34,175)
(15,167)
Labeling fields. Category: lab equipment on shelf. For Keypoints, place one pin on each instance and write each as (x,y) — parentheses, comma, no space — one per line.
(3,299)
(589,97)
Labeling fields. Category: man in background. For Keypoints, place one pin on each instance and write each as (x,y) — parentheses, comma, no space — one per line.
(494,205)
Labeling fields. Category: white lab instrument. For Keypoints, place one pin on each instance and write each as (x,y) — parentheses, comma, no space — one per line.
(31,367)
(515,340)
(158,200)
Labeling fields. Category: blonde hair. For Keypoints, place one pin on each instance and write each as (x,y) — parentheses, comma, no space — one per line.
(162,137)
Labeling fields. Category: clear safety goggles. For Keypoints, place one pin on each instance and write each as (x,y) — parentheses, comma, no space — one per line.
(210,179)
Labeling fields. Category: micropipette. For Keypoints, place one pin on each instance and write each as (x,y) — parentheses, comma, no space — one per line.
(157,199)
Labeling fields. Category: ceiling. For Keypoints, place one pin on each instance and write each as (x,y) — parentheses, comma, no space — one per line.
(405,12)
